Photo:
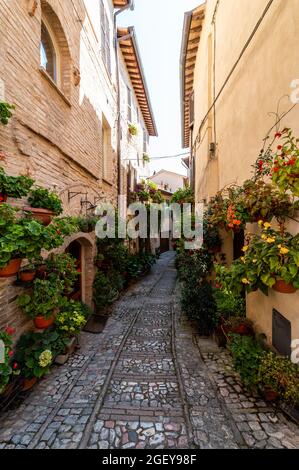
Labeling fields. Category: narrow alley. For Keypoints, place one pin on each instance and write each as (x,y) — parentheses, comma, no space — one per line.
(143,384)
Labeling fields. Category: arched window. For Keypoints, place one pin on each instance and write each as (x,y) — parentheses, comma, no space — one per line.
(49,58)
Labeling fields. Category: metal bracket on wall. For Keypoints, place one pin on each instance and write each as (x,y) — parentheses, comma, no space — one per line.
(71,195)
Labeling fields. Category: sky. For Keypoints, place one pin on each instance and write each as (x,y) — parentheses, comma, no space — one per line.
(159,25)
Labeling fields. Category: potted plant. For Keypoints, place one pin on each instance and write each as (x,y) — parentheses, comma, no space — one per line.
(8,367)
(35,353)
(285,170)
(42,305)
(87,224)
(279,378)
(271,259)
(133,129)
(44,205)
(263,201)
(5,112)
(13,186)
(146,158)
(61,267)
(27,273)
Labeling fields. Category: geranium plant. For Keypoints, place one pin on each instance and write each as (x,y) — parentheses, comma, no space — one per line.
(14,186)
(45,299)
(41,198)
(61,267)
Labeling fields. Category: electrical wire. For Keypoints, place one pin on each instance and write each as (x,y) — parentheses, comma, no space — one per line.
(159,158)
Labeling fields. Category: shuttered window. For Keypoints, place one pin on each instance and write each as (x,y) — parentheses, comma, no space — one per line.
(129,92)
(105,38)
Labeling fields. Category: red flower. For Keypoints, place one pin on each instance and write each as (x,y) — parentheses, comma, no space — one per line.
(276,169)
(218,286)
(15,366)
(278,135)
(261,163)
(279,147)
(292,161)
(9,330)
(10,353)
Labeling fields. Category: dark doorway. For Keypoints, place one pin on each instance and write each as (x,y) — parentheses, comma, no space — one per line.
(164,245)
(75,249)
(239,241)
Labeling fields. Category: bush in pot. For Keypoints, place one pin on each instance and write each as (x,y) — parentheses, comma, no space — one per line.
(279,378)
(133,129)
(42,304)
(247,356)
(285,170)
(104,292)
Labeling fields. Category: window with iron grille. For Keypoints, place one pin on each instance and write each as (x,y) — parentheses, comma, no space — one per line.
(105,38)
(129,104)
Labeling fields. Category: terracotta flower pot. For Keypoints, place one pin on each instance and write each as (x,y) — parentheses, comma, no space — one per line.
(270,395)
(42,323)
(283,288)
(27,276)
(12,268)
(3,198)
(44,216)
(29,383)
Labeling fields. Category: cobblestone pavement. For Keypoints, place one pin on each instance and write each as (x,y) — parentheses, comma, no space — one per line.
(146,382)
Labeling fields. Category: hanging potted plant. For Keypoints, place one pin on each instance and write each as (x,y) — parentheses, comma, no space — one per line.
(14,186)
(133,129)
(146,158)
(263,201)
(211,238)
(42,305)
(44,205)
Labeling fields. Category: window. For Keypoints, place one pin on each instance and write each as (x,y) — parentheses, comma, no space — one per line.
(106,150)
(145,140)
(129,93)
(105,38)
(48,53)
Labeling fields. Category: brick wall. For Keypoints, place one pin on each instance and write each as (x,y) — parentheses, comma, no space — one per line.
(55,134)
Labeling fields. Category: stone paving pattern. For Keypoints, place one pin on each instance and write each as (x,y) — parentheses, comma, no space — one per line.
(146,382)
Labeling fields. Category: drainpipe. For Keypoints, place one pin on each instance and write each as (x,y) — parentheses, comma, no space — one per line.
(116,40)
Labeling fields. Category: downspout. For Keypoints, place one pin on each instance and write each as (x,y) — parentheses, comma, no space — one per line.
(130,6)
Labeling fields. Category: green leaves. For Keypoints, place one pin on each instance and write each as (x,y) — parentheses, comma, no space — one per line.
(5,112)
(42,198)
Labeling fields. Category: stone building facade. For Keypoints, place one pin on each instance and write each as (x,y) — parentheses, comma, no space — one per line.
(226,135)
(58,67)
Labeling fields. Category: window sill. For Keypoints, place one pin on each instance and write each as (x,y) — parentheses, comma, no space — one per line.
(50,80)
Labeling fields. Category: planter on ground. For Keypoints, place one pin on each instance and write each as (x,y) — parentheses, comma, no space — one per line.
(42,323)
(28,384)
(27,275)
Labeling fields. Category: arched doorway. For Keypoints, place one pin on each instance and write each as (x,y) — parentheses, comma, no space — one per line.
(75,250)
